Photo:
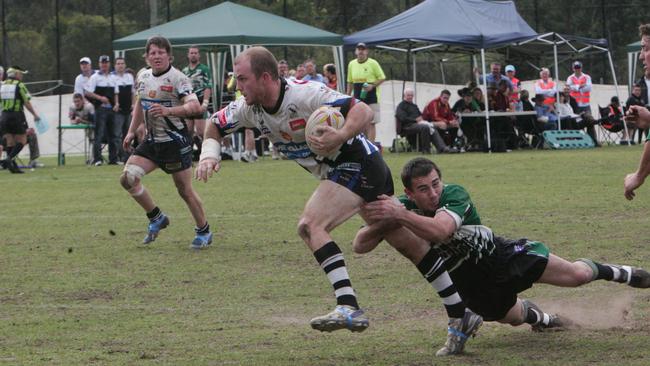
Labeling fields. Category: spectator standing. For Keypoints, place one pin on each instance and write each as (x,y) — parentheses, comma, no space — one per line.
(122,117)
(81,80)
(546,86)
(494,76)
(580,85)
(14,97)
(283,69)
(329,72)
(300,72)
(311,74)
(364,77)
(516,85)
(636,98)
(103,92)
(201,79)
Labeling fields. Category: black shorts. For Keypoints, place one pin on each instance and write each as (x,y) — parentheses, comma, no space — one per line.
(490,287)
(170,156)
(368,176)
(13,123)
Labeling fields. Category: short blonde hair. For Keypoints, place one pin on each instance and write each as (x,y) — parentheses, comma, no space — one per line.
(644,30)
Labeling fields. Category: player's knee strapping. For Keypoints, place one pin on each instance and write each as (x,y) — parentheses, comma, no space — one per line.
(132,175)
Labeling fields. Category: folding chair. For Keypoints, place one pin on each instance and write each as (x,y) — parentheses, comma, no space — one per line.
(610,126)
(404,143)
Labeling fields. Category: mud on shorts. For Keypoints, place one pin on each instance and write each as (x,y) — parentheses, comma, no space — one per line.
(170,156)
(367,178)
(490,287)
(13,123)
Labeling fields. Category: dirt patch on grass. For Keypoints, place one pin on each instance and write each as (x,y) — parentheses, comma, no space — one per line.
(603,311)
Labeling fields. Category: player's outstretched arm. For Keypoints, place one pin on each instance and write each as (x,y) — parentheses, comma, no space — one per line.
(636,179)
(210,153)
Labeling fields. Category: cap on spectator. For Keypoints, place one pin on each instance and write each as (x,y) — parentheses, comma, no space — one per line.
(577,65)
(464,92)
(539,97)
(510,68)
(104,58)
(85,60)
(11,72)
(361,45)
(614,99)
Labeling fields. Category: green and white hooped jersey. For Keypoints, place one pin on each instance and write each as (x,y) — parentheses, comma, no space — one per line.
(200,77)
(167,89)
(471,241)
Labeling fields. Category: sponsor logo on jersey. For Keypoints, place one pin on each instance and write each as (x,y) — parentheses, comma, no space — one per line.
(152,93)
(286,136)
(298,124)
(221,117)
(167,88)
(293,110)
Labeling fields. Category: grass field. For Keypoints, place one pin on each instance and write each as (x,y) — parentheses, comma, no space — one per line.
(71,293)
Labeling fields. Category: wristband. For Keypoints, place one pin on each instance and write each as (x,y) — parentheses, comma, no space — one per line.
(210,149)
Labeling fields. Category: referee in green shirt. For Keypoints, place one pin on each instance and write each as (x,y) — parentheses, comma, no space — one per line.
(13,124)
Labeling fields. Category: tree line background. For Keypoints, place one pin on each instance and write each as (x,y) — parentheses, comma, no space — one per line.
(87,28)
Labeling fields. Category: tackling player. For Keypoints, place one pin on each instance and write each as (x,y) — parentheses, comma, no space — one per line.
(280,109)
(489,271)
(164,99)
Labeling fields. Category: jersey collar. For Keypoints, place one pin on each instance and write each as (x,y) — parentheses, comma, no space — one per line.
(162,73)
(278,104)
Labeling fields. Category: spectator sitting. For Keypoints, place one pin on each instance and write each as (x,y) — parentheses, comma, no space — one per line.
(311,74)
(81,111)
(585,119)
(568,119)
(412,125)
(528,124)
(472,127)
(329,72)
(502,97)
(478,102)
(615,120)
(545,113)
(439,113)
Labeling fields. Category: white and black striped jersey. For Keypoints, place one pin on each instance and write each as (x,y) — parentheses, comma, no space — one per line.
(285,126)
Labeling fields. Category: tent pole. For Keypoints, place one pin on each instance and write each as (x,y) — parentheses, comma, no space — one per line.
(557,82)
(340,73)
(630,68)
(415,81)
(611,65)
(485,97)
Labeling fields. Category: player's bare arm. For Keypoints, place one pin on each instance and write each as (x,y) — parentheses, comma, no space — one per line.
(136,120)
(639,115)
(190,107)
(636,179)
(210,153)
(356,121)
(435,229)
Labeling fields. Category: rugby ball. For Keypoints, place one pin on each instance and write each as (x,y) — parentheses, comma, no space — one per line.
(324,116)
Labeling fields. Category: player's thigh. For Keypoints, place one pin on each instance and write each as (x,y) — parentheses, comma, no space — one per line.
(330,205)
(146,164)
(561,272)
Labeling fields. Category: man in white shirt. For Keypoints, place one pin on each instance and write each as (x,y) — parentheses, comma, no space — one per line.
(81,80)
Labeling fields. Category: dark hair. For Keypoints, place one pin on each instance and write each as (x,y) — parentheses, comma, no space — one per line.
(118,58)
(416,168)
(193,46)
(160,42)
(77,95)
(331,68)
(261,60)
(445,91)
(644,30)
